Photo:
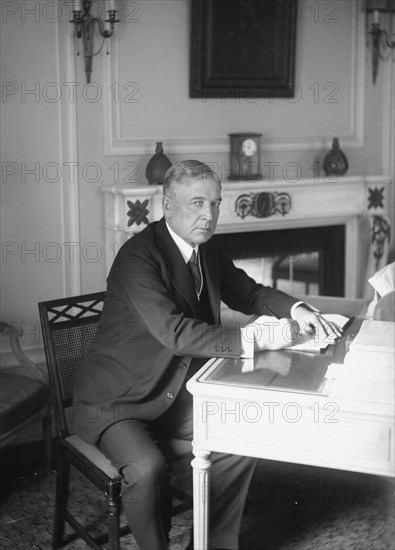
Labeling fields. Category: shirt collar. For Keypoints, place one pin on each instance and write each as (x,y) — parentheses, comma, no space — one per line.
(185,248)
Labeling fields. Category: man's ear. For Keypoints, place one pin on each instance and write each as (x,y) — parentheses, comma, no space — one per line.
(166,206)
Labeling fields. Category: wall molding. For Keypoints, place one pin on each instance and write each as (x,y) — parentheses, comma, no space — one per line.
(115,143)
(68,153)
(388,137)
(388,116)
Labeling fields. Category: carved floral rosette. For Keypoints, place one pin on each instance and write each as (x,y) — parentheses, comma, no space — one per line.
(137,212)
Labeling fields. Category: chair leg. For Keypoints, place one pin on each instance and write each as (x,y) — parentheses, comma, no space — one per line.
(114,511)
(62,493)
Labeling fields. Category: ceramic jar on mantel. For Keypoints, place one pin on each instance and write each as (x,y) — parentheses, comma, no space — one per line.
(335,162)
(157,166)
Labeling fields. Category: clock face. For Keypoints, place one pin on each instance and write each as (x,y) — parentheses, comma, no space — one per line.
(248,147)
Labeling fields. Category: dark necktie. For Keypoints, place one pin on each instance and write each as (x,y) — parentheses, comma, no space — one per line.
(194,265)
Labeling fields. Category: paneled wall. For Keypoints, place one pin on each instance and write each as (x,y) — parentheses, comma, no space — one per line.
(63,139)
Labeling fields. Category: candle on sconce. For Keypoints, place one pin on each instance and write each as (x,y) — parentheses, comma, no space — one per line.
(376,17)
(88,19)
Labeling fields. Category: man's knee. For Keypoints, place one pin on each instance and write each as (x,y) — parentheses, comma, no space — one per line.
(145,471)
(141,478)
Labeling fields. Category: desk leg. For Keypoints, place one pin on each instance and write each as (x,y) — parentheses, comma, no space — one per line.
(201,478)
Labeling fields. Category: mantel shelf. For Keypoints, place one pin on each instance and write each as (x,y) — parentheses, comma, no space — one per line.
(358,202)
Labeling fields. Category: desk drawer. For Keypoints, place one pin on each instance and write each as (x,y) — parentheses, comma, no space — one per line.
(299,436)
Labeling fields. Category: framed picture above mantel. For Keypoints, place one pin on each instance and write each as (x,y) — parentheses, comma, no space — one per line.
(242,48)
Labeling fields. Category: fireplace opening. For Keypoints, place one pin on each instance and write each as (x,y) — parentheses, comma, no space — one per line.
(313,257)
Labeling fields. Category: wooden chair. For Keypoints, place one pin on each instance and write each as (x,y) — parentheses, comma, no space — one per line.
(24,396)
(69,326)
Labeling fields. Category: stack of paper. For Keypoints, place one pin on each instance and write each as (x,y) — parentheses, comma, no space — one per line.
(383,280)
(383,283)
(319,341)
(377,336)
(362,379)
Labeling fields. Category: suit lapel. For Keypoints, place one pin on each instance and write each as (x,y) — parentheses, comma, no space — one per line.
(177,269)
(180,275)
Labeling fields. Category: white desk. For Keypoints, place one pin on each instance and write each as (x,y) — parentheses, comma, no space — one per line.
(297,420)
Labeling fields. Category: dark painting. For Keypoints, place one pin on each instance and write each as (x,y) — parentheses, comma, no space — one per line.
(242,48)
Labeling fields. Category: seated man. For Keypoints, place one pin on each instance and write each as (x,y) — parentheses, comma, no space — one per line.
(160,323)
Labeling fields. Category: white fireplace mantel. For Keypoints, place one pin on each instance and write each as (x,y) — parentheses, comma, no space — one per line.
(357,202)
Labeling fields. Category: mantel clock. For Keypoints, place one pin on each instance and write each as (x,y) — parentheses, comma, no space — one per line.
(245,151)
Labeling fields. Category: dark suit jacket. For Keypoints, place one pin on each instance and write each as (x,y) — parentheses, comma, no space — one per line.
(149,332)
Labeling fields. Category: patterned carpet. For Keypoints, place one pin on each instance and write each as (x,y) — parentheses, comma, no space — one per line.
(288,507)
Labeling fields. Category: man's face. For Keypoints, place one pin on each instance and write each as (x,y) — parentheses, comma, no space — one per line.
(192,209)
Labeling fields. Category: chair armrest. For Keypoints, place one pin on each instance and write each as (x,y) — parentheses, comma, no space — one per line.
(14,333)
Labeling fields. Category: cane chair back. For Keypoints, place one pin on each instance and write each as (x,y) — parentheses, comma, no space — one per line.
(69,327)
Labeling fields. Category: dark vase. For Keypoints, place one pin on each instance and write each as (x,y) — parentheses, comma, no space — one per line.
(157,166)
(335,161)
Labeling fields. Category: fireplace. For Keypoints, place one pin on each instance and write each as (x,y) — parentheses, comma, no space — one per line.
(331,218)
(326,245)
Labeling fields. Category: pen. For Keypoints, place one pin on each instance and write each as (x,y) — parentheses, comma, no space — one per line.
(271,312)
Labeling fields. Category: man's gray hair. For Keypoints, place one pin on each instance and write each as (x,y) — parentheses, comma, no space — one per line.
(186,170)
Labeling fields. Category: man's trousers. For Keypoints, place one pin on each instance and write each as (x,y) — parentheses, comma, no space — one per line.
(131,447)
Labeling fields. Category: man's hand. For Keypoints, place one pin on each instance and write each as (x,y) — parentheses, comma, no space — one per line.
(312,321)
(274,335)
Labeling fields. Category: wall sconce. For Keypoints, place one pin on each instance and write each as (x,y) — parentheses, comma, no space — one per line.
(382,40)
(84,26)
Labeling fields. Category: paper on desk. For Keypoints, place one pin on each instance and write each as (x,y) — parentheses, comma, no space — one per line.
(319,340)
(363,379)
(383,280)
(375,336)
(334,370)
